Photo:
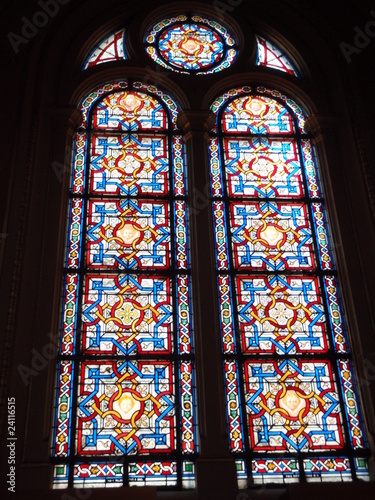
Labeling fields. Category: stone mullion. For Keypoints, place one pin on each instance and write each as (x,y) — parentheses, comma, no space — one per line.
(216,476)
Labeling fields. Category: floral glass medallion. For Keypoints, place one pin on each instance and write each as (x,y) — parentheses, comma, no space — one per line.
(191,45)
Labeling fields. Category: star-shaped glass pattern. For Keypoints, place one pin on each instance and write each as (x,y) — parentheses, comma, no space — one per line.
(191,45)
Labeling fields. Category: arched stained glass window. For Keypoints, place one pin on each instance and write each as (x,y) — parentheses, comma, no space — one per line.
(269,54)
(125,397)
(191,45)
(112,48)
(292,409)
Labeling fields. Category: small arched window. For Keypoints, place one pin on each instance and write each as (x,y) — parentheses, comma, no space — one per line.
(125,402)
(111,48)
(291,404)
(271,56)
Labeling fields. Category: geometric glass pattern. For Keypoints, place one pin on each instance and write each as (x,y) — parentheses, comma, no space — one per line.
(292,405)
(280,313)
(125,411)
(270,235)
(191,45)
(141,473)
(111,48)
(271,56)
(292,409)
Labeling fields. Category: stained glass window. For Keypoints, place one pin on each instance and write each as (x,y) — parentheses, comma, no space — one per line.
(112,48)
(191,45)
(125,396)
(270,55)
(292,408)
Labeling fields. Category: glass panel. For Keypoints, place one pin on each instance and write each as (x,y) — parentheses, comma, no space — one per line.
(221,236)
(129,165)
(127,314)
(125,407)
(188,417)
(152,34)
(178,166)
(73,256)
(351,405)
(190,46)
(262,168)
(281,314)
(101,475)
(152,473)
(182,250)
(92,99)
(223,100)
(69,314)
(271,56)
(257,115)
(112,48)
(188,474)
(335,314)
(184,315)
(78,177)
(63,411)
(195,45)
(241,470)
(292,405)
(278,294)
(361,468)
(275,471)
(128,234)
(322,236)
(226,315)
(161,474)
(216,180)
(327,469)
(129,111)
(312,174)
(60,476)
(236,435)
(271,236)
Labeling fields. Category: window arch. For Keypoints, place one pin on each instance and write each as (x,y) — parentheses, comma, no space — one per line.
(111,48)
(125,399)
(271,56)
(291,404)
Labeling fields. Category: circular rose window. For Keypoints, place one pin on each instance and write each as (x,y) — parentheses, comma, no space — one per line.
(191,45)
